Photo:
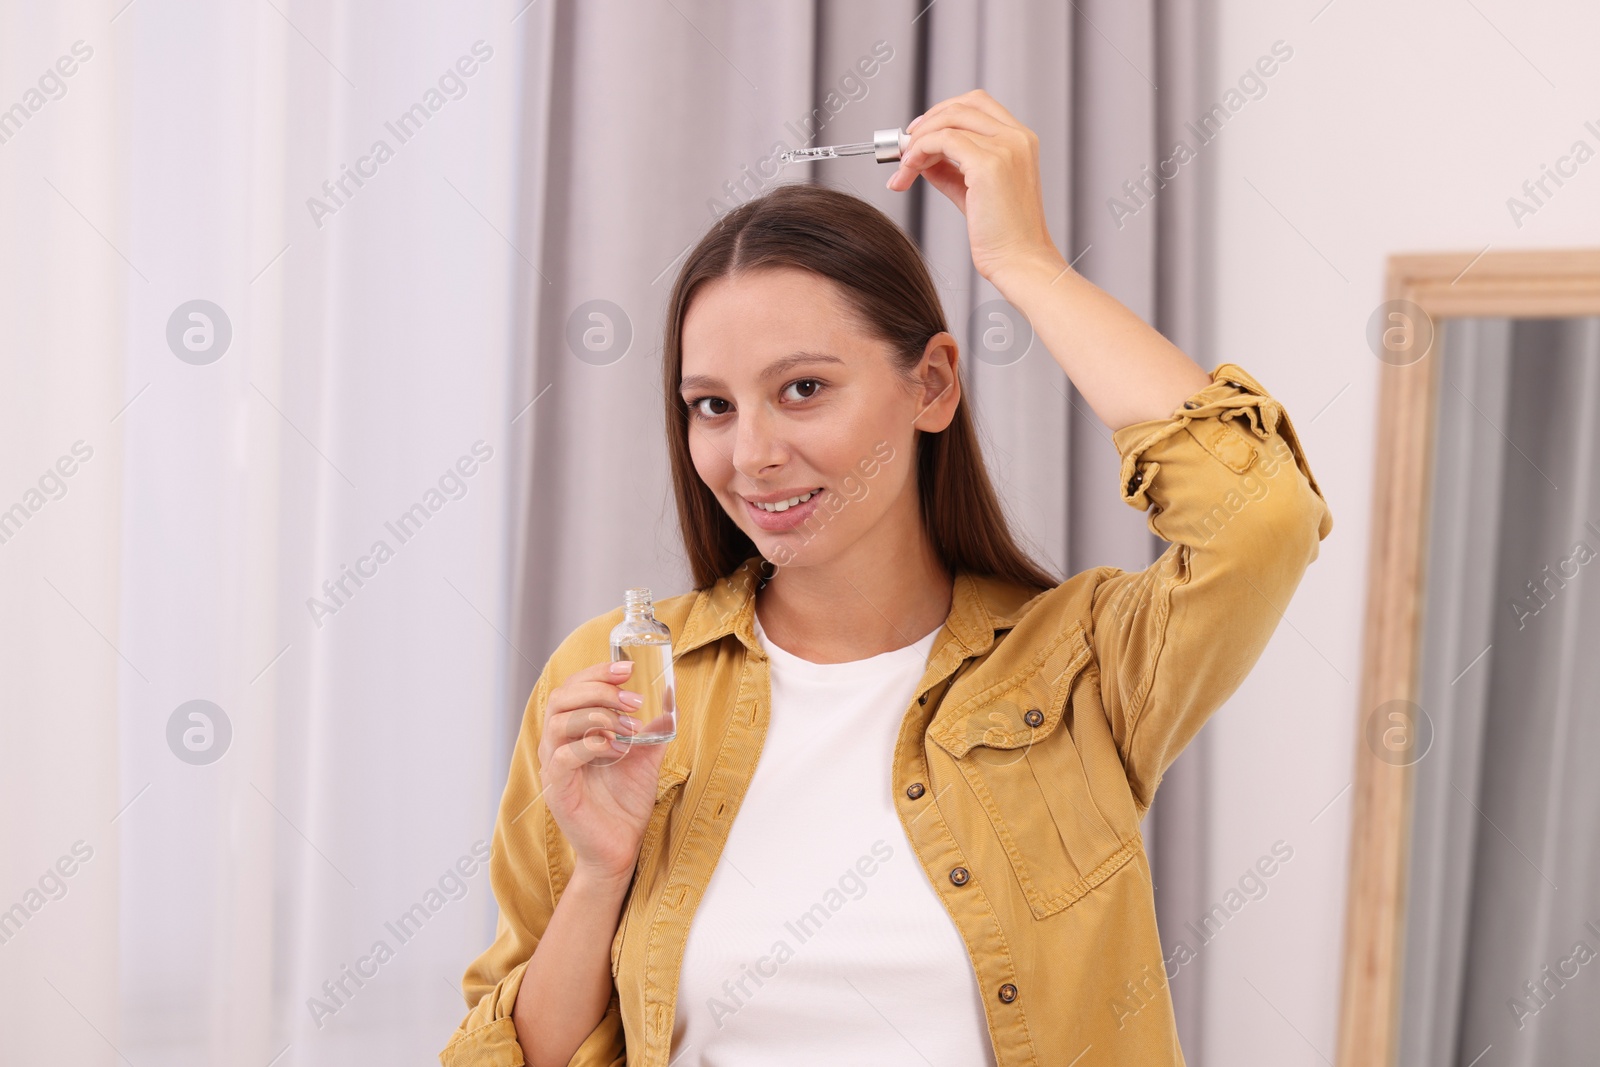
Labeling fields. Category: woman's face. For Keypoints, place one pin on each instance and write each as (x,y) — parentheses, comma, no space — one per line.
(788,396)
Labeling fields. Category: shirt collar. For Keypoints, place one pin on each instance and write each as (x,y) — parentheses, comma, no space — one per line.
(979,606)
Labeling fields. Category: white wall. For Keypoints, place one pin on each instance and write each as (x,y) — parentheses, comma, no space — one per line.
(1391,129)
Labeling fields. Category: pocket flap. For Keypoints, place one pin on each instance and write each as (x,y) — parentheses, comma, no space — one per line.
(1022,708)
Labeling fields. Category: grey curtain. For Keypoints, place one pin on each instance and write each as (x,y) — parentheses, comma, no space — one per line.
(1502,935)
(643,123)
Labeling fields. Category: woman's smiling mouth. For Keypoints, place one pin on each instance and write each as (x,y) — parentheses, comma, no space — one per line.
(783,513)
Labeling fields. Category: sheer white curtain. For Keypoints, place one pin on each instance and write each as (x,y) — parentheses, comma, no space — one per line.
(365,395)
(62,322)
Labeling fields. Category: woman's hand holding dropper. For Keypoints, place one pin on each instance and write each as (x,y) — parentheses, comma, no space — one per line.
(976,153)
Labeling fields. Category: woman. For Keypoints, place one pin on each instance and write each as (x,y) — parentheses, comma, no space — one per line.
(900,819)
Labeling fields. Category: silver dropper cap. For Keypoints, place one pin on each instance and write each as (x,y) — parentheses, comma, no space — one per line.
(888,144)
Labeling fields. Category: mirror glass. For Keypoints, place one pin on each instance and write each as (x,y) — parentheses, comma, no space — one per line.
(1501,933)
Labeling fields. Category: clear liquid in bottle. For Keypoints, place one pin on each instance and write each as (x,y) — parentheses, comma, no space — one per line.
(645,640)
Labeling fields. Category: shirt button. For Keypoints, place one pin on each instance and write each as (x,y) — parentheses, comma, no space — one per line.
(923,699)
(1008,992)
(1034,717)
(1190,404)
(915,790)
(959,876)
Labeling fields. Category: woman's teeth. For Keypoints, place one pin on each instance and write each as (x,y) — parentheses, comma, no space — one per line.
(785,505)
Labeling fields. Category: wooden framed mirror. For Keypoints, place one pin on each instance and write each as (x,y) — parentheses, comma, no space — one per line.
(1428,852)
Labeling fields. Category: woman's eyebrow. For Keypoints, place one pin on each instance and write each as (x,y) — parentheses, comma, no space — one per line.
(776,368)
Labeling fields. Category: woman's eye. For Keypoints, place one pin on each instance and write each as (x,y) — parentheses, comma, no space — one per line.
(700,412)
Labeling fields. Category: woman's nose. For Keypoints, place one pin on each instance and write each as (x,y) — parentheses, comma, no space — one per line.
(757,444)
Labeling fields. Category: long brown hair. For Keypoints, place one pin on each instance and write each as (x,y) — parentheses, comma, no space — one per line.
(883,277)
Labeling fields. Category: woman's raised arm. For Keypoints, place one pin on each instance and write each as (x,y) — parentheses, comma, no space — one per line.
(973,150)
(1213,457)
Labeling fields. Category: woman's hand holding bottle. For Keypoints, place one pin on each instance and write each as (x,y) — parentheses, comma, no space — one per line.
(600,797)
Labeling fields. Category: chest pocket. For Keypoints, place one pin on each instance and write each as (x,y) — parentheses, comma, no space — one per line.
(1013,748)
(669,787)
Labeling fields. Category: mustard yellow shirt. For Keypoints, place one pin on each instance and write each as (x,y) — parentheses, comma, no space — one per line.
(1041,728)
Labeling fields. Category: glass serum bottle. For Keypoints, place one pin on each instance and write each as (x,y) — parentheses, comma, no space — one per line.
(645,640)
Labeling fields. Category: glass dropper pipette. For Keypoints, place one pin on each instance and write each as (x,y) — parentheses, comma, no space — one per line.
(886,146)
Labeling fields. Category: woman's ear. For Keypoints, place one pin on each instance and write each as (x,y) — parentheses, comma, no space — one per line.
(940,391)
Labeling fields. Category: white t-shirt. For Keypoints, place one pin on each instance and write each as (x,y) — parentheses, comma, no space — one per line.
(819,938)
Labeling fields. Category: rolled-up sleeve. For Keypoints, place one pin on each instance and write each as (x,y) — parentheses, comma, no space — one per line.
(529,865)
(1226,483)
